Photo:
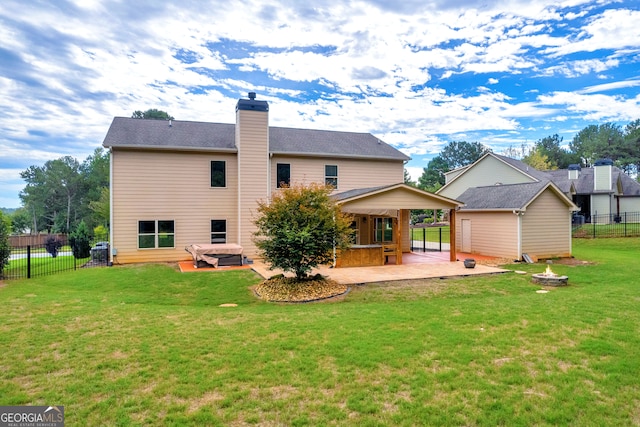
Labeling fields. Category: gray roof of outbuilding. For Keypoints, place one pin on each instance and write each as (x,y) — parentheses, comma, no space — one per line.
(501,197)
(185,135)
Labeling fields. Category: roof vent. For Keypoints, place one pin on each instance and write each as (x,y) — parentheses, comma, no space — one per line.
(252,95)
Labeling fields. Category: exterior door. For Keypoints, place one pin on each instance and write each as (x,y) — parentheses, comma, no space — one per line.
(466,235)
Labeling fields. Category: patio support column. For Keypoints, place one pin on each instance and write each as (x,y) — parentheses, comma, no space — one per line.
(399,238)
(452,235)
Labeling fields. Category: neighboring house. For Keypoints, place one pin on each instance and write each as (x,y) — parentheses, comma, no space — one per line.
(510,209)
(603,192)
(176,183)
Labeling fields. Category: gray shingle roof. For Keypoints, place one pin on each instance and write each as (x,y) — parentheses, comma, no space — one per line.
(584,183)
(630,187)
(186,135)
(141,133)
(323,142)
(502,197)
(523,167)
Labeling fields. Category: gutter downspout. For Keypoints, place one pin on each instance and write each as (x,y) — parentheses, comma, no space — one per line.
(519,214)
(111,247)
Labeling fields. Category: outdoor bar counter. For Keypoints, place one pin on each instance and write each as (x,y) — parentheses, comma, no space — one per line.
(364,255)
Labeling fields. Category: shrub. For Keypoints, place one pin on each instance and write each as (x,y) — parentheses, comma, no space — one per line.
(80,241)
(300,228)
(100,233)
(53,245)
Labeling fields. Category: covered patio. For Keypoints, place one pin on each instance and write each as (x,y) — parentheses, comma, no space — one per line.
(381,223)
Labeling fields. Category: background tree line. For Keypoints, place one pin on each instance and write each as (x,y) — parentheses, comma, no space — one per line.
(620,144)
(63,193)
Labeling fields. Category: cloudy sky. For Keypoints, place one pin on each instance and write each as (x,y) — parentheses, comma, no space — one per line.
(415,73)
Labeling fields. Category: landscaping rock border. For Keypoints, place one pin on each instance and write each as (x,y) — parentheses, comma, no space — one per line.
(291,290)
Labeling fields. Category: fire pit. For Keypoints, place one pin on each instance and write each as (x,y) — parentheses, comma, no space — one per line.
(549,278)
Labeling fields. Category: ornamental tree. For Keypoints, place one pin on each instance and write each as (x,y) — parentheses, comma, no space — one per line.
(300,228)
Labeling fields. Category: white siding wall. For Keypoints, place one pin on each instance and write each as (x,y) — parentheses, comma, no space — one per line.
(546,227)
(169,186)
(601,205)
(602,178)
(489,171)
(629,204)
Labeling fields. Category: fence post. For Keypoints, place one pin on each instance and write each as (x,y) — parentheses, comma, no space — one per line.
(424,239)
(28,261)
(594,220)
(440,232)
(625,224)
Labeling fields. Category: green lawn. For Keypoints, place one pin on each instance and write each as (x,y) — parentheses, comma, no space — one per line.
(607,230)
(146,345)
(431,234)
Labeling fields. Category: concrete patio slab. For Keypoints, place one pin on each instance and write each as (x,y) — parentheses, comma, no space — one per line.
(358,275)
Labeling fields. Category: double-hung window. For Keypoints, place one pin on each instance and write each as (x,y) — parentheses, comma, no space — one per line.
(218,173)
(331,175)
(283,175)
(218,231)
(154,234)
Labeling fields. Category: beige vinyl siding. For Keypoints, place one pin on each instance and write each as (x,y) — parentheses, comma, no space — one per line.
(169,186)
(601,205)
(352,173)
(488,171)
(398,199)
(252,140)
(492,233)
(546,227)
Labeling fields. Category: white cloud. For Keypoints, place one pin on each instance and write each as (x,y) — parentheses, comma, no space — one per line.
(611,86)
(613,29)
(414,73)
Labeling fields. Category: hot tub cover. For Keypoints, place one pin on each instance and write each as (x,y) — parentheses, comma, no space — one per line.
(210,252)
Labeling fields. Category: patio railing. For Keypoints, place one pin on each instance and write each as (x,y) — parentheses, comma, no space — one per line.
(425,239)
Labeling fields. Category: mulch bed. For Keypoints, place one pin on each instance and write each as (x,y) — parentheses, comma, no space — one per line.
(289,289)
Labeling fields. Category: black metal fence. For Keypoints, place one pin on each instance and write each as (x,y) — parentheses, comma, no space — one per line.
(425,239)
(36,260)
(625,224)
